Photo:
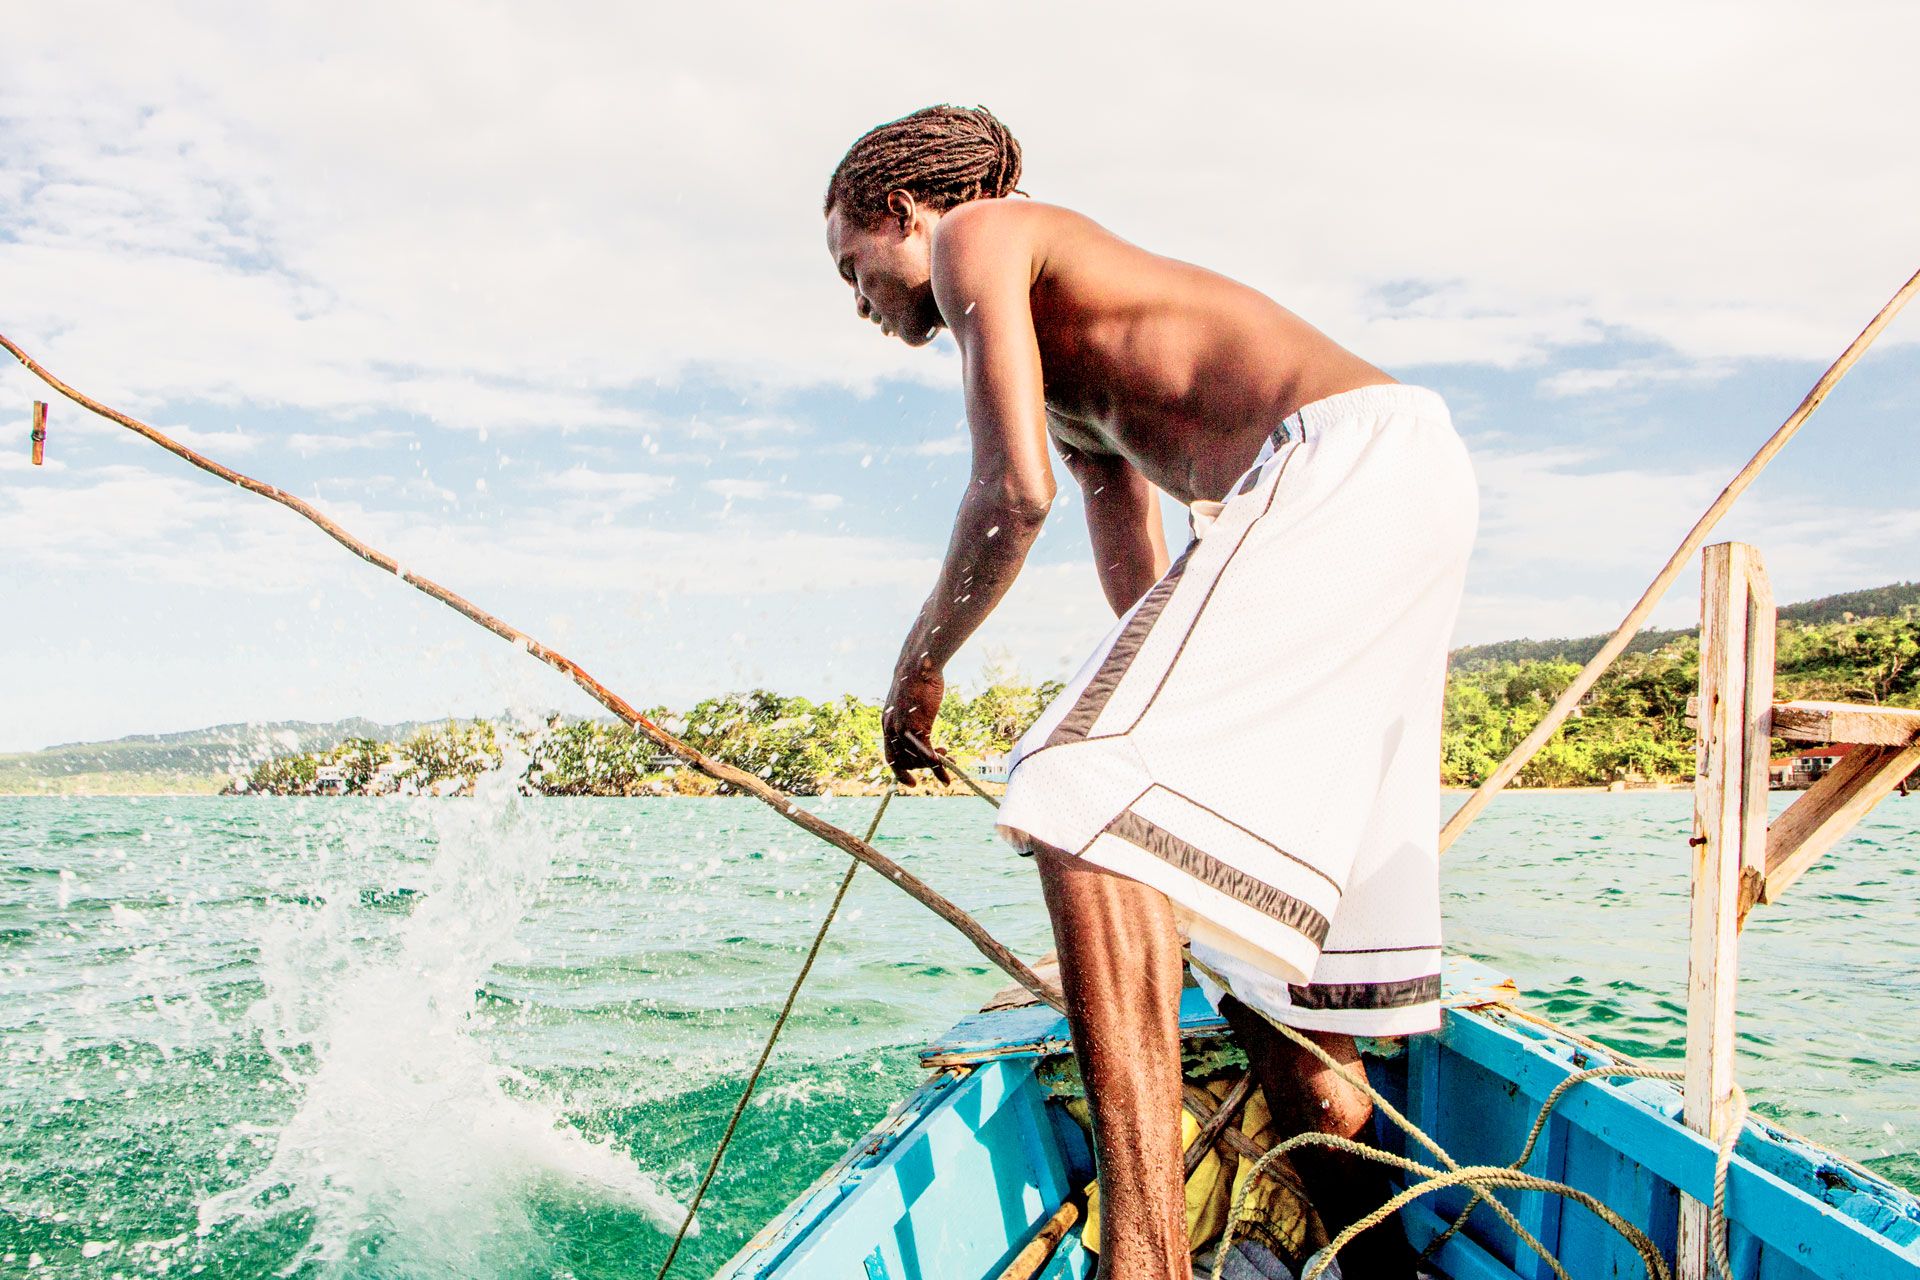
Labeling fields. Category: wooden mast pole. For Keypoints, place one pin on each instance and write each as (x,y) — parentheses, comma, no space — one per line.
(1729,841)
(739,779)
(1516,759)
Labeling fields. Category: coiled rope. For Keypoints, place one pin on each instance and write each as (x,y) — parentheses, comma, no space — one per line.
(1723,1157)
(1483,1178)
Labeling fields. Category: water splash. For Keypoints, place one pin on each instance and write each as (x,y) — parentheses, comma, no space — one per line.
(412,1151)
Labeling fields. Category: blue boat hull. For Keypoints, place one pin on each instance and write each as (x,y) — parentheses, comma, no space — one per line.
(966,1168)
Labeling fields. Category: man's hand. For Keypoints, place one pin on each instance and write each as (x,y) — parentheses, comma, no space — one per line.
(906,725)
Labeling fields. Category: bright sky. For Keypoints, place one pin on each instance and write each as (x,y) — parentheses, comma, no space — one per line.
(536,297)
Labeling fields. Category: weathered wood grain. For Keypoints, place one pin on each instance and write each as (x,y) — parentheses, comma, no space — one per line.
(1729,812)
(1825,722)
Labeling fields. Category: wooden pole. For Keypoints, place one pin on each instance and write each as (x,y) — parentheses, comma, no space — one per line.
(1730,789)
(1210,1126)
(738,779)
(1040,1246)
(1636,616)
(39,433)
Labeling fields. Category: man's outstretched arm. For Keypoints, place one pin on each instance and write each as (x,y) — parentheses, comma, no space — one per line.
(1123,523)
(981,282)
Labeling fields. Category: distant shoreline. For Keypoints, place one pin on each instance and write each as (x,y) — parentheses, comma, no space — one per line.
(956,793)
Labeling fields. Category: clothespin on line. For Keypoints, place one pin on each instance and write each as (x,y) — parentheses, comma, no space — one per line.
(39,432)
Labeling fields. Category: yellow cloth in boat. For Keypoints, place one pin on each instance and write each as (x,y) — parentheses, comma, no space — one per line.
(1279,1214)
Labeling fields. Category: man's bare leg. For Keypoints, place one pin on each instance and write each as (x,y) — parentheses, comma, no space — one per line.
(1305,1096)
(1120,969)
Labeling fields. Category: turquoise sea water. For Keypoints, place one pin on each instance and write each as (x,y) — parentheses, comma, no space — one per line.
(495,1037)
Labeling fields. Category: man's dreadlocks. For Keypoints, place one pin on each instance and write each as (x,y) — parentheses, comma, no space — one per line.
(942,156)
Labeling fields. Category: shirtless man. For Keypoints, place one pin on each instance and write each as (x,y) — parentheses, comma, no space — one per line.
(1251,757)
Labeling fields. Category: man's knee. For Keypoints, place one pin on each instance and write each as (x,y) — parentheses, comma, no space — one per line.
(1304,1093)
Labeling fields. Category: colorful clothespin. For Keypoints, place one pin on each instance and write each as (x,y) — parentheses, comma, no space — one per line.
(39,432)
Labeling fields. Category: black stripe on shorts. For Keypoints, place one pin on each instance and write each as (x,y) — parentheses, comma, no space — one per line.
(1299,916)
(1366,995)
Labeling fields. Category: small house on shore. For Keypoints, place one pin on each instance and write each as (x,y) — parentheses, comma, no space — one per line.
(1800,771)
(990,768)
(389,777)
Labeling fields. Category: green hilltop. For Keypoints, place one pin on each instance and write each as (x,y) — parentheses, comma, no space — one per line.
(1875,602)
(1861,646)
(195,760)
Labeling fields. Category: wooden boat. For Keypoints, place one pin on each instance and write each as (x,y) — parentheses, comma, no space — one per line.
(964,1174)
(964,1171)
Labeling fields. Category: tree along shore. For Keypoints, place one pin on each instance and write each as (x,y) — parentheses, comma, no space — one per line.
(1631,727)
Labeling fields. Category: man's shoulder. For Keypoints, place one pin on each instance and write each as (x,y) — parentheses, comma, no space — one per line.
(1003,234)
(984,226)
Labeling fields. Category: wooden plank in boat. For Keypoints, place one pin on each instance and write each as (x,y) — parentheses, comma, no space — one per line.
(1845,722)
(1468,984)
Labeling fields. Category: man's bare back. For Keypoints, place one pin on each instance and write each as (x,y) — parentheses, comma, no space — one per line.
(1179,370)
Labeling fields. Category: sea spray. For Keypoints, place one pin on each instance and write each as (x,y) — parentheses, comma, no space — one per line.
(410,1149)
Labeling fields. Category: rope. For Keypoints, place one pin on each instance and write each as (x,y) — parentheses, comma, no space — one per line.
(948,761)
(1539,1127)
(1488,1176)
(1717,1215)
(1409,1127)
(1616,644)
(766,1051)
(1485,1176)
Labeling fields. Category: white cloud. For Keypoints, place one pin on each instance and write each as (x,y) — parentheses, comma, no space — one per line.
(739,489)
(507,218)
(171,528)
(733,488)
(1565,547)
(618,488)
(217,444)
(309,443)
(1553,507)
(942,446)
(23,461)
(491,219)
(156,528)
(1639,375)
